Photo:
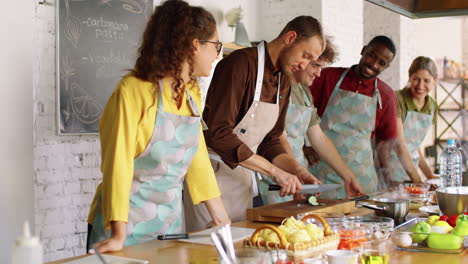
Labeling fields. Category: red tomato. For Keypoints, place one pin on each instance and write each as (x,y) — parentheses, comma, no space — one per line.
(453,220)
(444,218)
(414,190)
(465,213)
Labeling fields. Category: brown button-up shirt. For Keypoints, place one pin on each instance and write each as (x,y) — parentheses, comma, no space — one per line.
(230,96)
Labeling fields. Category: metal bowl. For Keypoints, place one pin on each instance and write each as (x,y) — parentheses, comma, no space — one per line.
(390,207)
(453,200)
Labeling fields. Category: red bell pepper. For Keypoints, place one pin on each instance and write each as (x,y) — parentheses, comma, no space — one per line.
(453,220)
(444,218)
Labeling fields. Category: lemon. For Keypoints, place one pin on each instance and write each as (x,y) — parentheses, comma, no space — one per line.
(432,219)
(443,224)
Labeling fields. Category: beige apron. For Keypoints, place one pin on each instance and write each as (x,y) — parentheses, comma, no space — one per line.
(237,185)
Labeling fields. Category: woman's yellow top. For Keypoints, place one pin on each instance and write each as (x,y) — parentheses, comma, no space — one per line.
(125,129)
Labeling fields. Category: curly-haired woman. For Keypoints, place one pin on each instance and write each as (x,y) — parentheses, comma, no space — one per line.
(151,134)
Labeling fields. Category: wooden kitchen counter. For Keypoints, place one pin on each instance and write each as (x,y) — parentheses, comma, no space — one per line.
(174,252)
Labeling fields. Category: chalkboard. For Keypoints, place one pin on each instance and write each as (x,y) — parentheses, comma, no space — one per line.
(97,43)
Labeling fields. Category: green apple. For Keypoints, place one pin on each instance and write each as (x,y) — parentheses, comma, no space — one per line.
(420,231)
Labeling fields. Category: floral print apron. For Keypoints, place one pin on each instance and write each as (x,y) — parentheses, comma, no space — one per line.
(348,121)
(416,126)
(156,192)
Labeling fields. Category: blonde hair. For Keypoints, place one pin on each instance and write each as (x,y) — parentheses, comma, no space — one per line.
(423,63)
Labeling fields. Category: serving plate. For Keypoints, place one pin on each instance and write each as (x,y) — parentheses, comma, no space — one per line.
(430,209)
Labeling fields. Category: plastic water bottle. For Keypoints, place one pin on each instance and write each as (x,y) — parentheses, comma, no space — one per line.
(451,165)
(27,249)
(464,165)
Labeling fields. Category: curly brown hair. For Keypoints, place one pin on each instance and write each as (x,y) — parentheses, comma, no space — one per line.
(329,54)
(167,42)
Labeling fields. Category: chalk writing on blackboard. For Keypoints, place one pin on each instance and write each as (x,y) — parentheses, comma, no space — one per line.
(97,44)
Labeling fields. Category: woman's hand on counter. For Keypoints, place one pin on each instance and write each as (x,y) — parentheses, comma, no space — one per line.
(115,242)
(217,212)
(108,245)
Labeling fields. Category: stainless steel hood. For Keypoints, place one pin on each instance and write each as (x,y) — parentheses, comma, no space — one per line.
(425,8)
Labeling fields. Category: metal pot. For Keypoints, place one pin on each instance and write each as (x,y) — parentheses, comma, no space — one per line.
(390,207)
(453,200)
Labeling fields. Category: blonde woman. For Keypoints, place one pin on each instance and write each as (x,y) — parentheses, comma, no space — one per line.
(417,111)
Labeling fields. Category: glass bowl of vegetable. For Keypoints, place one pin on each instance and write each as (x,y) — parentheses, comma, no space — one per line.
(416,189)
(331,218)
(379,226)
(352,238)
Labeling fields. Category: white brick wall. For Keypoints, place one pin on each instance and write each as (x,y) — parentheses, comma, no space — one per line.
(380,21)
(273,15)
(343,19)
(66,168)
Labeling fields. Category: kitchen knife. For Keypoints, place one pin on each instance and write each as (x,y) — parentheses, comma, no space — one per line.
(181,236)
(310,188)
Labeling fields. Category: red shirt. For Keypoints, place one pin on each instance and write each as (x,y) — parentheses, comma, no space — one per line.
(385,121)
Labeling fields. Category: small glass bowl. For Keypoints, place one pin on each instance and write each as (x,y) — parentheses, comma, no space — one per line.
(414,189)
(352,238)
(331,218)
(380,227)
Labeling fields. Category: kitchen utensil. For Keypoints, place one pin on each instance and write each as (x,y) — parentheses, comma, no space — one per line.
(92,259)
(181,236)
(453,200)
(203,237)
(101,258)
(310,188)
(389,207)
(220,248)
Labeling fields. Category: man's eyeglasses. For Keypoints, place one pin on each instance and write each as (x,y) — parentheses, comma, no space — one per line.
(219,44)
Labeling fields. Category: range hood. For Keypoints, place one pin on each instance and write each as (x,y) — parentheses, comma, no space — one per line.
(425,8)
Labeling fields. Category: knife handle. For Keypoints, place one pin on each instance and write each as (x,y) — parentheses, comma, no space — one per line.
(173,236)
(359,198)
(274,187)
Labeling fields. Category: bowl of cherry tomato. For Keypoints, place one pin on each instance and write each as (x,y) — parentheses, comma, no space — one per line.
(416,189)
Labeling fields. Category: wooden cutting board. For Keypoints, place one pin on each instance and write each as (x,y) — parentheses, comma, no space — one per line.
(277,212)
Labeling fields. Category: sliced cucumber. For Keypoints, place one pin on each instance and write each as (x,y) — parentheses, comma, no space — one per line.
(312,200)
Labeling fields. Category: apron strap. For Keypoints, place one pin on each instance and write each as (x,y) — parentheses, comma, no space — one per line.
(160,100)
(260,70)
(260,73)
(279,85)
(377,94)
(306,99)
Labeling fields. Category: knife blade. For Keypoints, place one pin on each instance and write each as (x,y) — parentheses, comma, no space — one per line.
(181,236)
(309,188)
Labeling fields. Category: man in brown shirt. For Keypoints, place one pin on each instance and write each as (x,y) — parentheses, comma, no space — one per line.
(244,130)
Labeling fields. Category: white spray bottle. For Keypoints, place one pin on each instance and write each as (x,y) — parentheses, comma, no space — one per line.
(27,248)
